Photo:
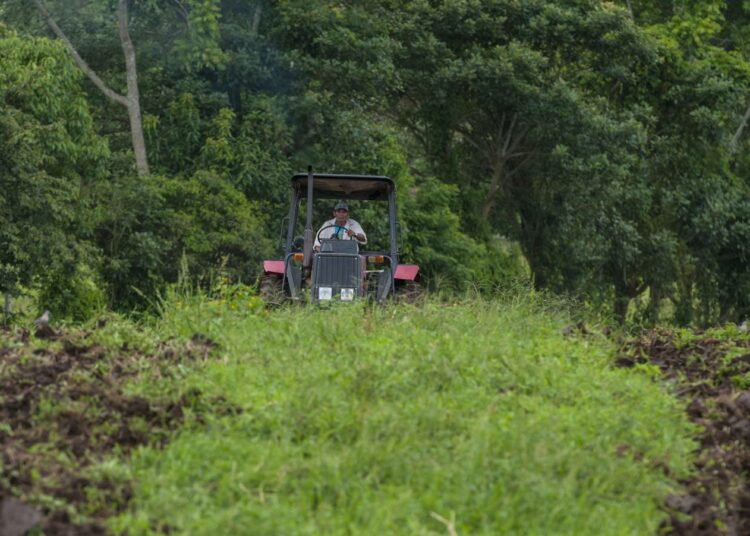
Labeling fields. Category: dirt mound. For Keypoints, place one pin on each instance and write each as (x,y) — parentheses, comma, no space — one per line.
(64,408)
(713,374)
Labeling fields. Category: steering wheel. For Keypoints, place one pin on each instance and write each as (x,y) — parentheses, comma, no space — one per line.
(352,237)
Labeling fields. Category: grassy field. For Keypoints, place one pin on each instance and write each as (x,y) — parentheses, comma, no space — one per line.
(472,418)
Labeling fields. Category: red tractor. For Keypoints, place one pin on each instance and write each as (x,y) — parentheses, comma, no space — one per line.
(340,270)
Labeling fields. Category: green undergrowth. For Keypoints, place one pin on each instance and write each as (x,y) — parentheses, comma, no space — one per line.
(464,418)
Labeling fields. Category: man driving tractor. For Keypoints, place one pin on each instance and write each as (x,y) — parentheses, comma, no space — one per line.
(323,269)
(340,227)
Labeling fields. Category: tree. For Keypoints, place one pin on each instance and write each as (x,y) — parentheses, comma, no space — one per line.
(592,134)
(191,37)
(496,92)
(131,100)
(145,228)
(698,97)
(49,155)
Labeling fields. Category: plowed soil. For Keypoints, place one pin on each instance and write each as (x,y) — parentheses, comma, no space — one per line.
(64,409)
(713,375)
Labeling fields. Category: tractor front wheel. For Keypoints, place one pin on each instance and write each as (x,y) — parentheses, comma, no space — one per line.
(271,290)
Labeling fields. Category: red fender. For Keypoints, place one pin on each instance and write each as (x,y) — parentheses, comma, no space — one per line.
(406,272)
(273,267)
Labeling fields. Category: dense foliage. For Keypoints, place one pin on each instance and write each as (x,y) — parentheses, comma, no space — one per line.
(50,155)
(595,147)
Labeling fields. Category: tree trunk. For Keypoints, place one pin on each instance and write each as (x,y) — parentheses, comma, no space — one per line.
(495,184)
(654,303)
(256,17)
(7,309)
(134,99)
(620,307)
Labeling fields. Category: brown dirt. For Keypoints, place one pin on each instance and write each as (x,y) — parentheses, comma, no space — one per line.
(713,375)
(64,409)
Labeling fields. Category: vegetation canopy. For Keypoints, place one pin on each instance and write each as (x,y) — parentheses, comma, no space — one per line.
(593,148)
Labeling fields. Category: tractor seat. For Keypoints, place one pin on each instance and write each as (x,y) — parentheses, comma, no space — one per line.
(339,246)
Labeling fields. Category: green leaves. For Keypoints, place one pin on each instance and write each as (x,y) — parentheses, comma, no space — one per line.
(565,125)
(199,46)
(48,151)
(592,137)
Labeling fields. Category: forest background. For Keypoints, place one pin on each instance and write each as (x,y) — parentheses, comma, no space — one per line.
(596,149)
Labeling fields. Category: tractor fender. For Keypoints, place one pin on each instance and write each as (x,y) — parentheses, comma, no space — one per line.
(273,267)
(406,272)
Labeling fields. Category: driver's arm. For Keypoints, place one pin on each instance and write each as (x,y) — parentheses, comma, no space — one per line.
(359,236)
(322,234)
(356,228)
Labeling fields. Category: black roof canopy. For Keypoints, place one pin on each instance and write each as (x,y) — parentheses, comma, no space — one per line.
(331,186)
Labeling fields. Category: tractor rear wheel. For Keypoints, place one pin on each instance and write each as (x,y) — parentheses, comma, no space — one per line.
(271,290)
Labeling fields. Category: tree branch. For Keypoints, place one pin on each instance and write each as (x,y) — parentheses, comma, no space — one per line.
(126,42)
(509,134)
(88,71)
(465,134)
(516,142)
(256,17)
(182,10)
(501,128)
(736,137)
(528,158)
(133,99)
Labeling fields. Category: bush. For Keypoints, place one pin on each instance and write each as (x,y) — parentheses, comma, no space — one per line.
(448,257)
(144,228)
(76,294)
(49,150)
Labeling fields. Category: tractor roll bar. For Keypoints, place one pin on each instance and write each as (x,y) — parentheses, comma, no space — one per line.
(308,247)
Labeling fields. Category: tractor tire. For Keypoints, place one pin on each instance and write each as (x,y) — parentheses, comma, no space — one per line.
(270,289)
(410,292)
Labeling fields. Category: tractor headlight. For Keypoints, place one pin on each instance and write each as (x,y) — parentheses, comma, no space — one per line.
(347,294)
(325,293)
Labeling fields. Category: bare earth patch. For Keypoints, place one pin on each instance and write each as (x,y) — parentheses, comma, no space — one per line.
(64,409)
(713,374)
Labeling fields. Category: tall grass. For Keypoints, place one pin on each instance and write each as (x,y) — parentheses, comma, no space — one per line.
(465,418)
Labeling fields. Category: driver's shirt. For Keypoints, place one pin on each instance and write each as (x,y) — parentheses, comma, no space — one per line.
(339,231)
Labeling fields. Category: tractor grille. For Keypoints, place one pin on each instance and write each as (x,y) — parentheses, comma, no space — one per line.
(336,271)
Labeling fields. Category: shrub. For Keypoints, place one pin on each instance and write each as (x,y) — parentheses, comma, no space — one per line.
(75,294)
(145,226)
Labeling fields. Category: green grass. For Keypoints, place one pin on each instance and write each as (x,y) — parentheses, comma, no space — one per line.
(478,417)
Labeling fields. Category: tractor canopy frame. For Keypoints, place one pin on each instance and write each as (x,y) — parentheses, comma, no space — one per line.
(350,187)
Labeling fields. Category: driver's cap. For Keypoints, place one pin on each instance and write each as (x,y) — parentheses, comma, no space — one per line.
(341,206)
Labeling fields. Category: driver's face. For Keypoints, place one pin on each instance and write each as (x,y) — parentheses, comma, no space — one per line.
(341,216)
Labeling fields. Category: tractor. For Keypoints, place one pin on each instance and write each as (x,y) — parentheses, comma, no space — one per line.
(341,271)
